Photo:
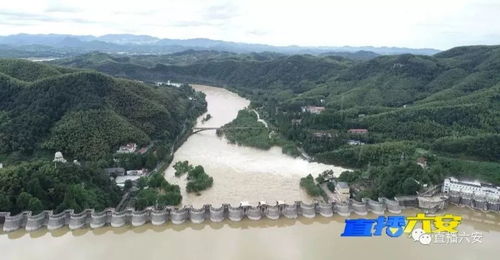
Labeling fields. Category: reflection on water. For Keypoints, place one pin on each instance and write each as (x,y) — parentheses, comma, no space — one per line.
(240,173)
(317,238)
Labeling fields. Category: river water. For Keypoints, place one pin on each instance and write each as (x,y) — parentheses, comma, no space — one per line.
(242,173)
(317,238)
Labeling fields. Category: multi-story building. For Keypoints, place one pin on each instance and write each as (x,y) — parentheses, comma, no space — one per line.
(474,188)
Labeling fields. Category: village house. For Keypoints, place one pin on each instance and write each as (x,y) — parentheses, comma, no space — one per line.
(122,176)
(357,131)
(141,172)
(128,148)
(313,109)
(322,134)
(342,191)
(120,180)
(168,83)
(355,142)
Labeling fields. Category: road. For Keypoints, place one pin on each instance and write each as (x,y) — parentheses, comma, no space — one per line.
(259,119)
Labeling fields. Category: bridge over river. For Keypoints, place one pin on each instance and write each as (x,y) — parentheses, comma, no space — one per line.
(200,129)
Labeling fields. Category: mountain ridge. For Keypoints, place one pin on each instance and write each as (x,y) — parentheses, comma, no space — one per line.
(148,44)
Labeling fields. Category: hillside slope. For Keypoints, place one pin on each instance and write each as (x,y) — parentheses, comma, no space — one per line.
(86,115)
(445,107)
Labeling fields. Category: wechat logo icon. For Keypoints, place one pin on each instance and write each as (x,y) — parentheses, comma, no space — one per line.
(420,235)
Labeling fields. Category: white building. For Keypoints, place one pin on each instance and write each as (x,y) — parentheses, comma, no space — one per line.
(342,191)
(313,109)
(355,142)
(128,148)
(1,165)
(177,85)
(141,172)
(472,187)
(168,83)
(58,157)
(120,180)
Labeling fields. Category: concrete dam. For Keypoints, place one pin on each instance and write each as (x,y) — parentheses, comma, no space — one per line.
(93,219)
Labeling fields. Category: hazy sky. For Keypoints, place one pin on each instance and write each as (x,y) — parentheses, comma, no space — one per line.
(417,23)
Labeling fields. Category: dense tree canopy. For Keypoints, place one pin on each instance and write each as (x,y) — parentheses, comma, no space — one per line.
(86,115)
(58,186)
(445,108)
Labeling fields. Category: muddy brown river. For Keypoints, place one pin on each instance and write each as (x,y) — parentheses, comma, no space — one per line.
(317,238)
(240,173)
(247,174)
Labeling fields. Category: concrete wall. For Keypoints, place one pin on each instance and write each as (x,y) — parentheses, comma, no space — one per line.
(92,219)
(474,202)
(235,213)
(359,207)
(325,209)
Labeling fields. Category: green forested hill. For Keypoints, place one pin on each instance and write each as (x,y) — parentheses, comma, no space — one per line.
(257,71)
(444,107)
(26,70)
(86,115)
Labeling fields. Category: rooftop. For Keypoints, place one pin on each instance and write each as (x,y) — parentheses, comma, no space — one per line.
(342,185)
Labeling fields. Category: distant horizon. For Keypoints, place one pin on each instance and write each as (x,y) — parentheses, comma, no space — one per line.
(422,24)
(239,42)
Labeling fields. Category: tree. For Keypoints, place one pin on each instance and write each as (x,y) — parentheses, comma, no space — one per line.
(170,198)
(151,161)
(128,185)
(146,198)
(198,180)
(56,188)
(182,167)
(5,203)
(23,201)
(156,180)
(310,186)
(162,152)
(35,205)
(142,182)
(410,186)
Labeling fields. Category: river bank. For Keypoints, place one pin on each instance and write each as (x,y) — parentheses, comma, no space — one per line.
(240,173)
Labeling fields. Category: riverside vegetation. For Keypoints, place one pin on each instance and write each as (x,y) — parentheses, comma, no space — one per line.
(155,191)
(443,109)
(246,130)
(87,115)
(198,179)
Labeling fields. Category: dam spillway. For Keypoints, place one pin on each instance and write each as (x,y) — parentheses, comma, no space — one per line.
(110,217)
